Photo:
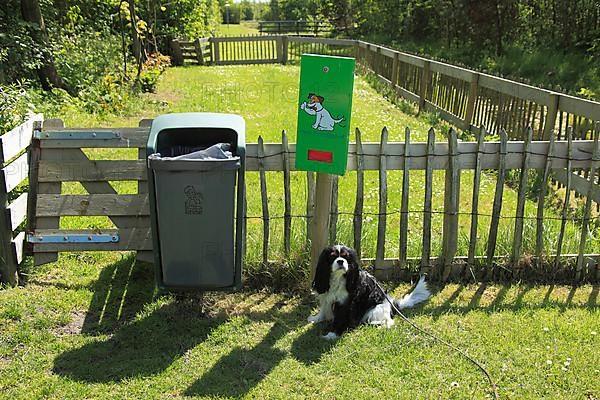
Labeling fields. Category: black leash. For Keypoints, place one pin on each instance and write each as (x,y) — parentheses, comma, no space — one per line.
(449,345)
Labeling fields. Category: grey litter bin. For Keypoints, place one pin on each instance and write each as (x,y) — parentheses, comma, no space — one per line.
(196,203)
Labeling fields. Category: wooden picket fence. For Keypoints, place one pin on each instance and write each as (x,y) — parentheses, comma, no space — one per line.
(14,201)
(57,156)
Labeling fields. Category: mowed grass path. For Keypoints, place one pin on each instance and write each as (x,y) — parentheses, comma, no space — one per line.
(92,326)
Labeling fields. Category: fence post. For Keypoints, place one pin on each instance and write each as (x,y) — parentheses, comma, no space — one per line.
(425,77)
(215,50)
(473,91)
(553,100)
(199,56)
(284,49)
(176,51)
(394,77)
(319,234)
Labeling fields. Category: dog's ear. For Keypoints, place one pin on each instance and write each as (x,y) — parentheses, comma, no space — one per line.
(323,273)
(353,274)
(321,99)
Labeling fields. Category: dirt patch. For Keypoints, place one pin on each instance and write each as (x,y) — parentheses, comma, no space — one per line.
(73,327)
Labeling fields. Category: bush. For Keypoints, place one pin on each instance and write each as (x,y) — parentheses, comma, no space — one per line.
(152,69)
(15,104)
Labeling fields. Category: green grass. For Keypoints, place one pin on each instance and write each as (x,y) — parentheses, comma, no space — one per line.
(92,325)
(242,29)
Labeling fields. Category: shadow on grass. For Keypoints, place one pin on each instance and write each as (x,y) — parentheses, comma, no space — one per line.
(140,348)
(136,347)
(499,300)
(121,291)
(236,373)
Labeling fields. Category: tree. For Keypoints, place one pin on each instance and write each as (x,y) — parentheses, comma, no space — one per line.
(47,73)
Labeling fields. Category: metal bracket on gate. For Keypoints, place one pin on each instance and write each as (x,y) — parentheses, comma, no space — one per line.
(75,238)
(76,135)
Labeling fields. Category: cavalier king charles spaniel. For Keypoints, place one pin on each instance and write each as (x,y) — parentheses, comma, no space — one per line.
(349,296)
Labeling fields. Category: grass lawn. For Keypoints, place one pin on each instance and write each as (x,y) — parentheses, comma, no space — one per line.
(93,326)
(242,29)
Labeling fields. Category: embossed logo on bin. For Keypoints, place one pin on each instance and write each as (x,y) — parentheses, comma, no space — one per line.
(193,200)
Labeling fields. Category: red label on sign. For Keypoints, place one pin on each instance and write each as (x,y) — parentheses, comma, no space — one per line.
(318,155)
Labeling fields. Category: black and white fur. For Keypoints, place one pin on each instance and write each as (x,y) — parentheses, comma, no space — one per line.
(349,296)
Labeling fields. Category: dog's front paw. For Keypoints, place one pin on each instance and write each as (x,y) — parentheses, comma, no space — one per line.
(315,126)
(313,319)
(330,336)
(303,105)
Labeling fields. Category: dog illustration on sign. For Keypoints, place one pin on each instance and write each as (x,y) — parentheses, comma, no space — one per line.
(324,120)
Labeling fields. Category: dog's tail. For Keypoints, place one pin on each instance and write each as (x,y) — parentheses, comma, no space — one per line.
(419,294)
(337,121)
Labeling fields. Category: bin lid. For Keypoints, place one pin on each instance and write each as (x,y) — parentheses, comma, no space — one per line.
(197,120)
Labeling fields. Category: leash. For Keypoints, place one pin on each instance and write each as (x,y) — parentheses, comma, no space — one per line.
(449,345)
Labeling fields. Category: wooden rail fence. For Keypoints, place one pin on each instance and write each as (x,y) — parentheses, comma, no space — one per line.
(299,27)
(56,157)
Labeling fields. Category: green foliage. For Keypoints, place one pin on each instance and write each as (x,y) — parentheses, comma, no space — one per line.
(84,56)
(15,103)
(153,68)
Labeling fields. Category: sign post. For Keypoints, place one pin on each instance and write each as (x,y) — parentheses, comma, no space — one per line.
(324,111)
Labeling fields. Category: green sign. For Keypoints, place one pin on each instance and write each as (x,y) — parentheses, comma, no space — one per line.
(324,111)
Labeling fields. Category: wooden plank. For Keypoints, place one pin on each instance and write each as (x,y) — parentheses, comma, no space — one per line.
(320,225)
(497,206)
(264,200)
(357,221)
(129,239)
(578,106)
(467,156)
(18,245)
(475,198)
(588,207)
(578,183)
(14,173)
(49,205)
(333,216)
(516,89)
(551,115)
(473,94)
(382,218)
(17,139)
(17,211)
(453,71)
(8,259)
(404,201)
(310,202)
(451,206)
(521,197)
(93,187)
(539,232)
(567,201)
(425,80)
(426,251)
(124,138)
(328,41)
(287,216)
(92,170)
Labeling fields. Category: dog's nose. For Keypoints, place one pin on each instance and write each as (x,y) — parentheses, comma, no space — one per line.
(340,262)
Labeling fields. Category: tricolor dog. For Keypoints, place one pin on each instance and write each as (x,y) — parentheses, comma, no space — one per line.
(349,296)
(324,121)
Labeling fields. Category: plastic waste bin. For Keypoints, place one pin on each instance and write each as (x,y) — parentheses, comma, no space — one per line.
(196,165)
